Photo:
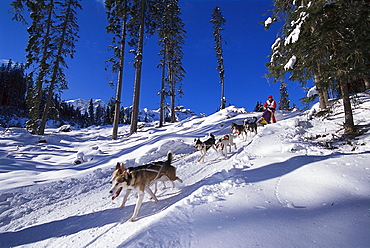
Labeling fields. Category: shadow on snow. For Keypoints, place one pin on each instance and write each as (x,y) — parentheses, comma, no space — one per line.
(75,224)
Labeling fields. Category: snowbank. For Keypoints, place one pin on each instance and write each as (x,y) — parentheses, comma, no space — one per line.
(295,183)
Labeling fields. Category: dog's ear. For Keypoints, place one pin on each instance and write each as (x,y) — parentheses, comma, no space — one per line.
(123,167)
(118,166)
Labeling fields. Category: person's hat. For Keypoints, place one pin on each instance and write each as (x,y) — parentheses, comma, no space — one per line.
(269,96)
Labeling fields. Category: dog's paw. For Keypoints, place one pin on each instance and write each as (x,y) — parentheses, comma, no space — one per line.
(122,206)
(132,219)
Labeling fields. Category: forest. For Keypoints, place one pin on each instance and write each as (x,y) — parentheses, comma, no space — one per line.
(317,42)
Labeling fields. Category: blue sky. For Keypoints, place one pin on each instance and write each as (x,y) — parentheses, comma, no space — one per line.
(245,55)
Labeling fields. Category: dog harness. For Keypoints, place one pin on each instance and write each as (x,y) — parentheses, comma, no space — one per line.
(147,168)
(226,137)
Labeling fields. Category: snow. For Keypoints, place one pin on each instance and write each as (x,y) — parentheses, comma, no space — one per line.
(294,34)
(268,22)
(276,44)
(291,63)
(294,184)
(312,92)
(83,105)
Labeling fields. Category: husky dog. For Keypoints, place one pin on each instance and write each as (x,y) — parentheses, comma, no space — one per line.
(251,126)
(224,142)
(141,178)
(203,147)
(239,129)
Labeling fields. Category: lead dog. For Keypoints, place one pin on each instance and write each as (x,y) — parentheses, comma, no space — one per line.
(141,178)
(203,147)
(224,142)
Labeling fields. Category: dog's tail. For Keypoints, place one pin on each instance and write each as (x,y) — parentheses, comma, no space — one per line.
(171,170)
(169,157)
(255,119)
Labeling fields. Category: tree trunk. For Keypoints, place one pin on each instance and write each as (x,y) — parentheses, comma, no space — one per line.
(161,110)
(117,107)
(54,75)
(323,94)
(223,99)
(44,67)
(138,65)
(173,95)
(349,126)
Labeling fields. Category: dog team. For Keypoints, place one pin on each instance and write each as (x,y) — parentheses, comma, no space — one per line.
(141,178)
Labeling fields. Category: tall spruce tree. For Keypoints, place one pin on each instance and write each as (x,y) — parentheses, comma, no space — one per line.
(117,15)
(218,22)
(326,41)
(91,111)
(141,23)
(137,32)
(52,35)
(171,37)
(259,107)
(39,50)
(67,30)
(284,97)
(13,89)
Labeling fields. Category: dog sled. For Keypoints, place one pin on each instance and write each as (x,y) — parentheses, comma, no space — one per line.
(267,117)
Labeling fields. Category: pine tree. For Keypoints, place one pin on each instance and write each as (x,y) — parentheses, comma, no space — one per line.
(259,107)
(67,29)
(218,21)
(284,97)
(99,115)
(137,31)
(91,113)
(117,15)
(326,41)
(39,51)
(52,35)
(171,37)
(141,23)
(13,88)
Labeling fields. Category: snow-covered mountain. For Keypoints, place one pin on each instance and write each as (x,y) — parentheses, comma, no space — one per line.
(145,114)
(296,183)
(83,105)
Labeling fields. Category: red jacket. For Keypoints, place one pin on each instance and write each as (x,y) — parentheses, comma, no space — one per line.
(270,104)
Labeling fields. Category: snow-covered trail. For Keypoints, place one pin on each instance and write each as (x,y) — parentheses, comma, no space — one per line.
(280,188)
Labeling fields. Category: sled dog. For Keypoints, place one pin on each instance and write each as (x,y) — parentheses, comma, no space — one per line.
(224,142)
(141,178)
(203,147)
(251,126)
(239,130)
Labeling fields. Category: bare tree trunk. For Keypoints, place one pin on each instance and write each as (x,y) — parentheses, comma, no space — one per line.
(173,95)
(138,65)
(161,111)
(117,107)
(349,126)
(323,94)
(223,99)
